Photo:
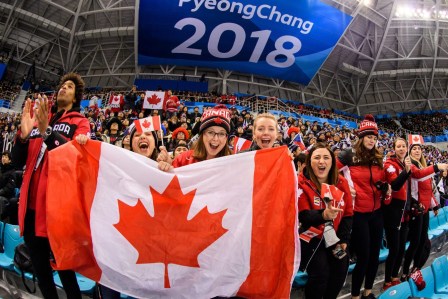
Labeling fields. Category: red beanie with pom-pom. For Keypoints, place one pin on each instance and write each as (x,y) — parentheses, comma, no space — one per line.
(368,126)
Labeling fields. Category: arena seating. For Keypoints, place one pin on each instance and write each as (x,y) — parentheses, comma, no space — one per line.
(437,230)
(436,281)
(10,236)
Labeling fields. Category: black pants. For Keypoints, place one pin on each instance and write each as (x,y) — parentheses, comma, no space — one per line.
(396,235)
(108,293)
(418,238)
(40,257)
(367,235)
(326,274)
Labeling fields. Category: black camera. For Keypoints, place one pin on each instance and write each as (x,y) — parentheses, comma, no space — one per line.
(417,209)
(339,253)
(382,186)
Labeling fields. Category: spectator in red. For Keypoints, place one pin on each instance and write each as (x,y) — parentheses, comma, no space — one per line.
(363,168)
(212,142)
(397,169)
(422,201)
(327,266)
(180,134)
(116,102)
(172,103)
(37,136)
(292,132)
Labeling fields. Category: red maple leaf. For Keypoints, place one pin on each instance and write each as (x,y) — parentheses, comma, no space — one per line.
(416,139)
(146,123)
(169,237)
(154,99)
(218,121)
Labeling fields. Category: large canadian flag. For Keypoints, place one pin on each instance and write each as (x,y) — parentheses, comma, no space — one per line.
(222,227)
(153,100)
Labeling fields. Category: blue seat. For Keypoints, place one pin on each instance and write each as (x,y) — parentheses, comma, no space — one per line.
(399,291)
(300,279)
(440,270)
(433,225)
(441,218)
(11,240)
(428,291)
(86,285)
(384,252)
(351,267)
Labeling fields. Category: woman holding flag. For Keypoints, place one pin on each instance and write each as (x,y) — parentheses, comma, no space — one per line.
(326,210)
(143,143)
(397,169)
(422,200)
(212,142)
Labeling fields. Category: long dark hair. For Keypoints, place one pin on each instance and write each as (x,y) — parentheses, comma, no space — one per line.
(200,152)
(367,157)
(333,174)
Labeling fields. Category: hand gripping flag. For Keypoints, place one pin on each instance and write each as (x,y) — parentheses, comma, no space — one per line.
(182,234)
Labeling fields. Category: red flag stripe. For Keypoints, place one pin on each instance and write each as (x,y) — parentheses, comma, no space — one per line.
(263,282)
(76,251)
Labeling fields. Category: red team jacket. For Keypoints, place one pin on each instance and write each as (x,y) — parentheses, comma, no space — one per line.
(33,154)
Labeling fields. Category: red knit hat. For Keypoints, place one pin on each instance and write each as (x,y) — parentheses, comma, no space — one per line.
(178,130)
(217,116)
(368,126)
(293,129)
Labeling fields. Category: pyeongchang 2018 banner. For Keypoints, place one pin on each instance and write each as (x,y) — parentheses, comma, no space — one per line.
(282,39)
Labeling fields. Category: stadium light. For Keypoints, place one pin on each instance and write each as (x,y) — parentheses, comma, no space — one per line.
(409,12)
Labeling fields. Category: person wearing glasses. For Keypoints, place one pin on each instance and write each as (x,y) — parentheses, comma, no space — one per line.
(212,142)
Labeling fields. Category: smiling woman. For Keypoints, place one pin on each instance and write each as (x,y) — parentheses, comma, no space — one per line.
(363,168)
(212,142)
(325,263)
(265,131)
(144,143)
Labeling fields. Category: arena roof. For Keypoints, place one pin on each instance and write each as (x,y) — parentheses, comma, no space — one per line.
(392,58)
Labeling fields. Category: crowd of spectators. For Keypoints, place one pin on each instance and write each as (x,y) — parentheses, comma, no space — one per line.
(338,137)
(9,90)
(434,124)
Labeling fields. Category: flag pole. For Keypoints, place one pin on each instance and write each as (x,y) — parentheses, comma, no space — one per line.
(161,131)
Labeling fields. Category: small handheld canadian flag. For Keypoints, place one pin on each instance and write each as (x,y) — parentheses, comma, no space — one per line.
(415,139)
(148,124)
(240,144)
(310,234)
(332,193)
